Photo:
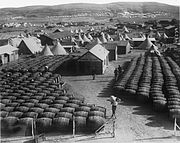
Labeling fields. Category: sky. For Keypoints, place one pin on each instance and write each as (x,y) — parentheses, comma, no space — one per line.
(22,3)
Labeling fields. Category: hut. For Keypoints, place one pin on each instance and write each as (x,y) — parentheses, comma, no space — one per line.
(68,44)
(8,53)
(59,50)
(123,47)
(94,59)
(46,51)
(29,46)
(111,46)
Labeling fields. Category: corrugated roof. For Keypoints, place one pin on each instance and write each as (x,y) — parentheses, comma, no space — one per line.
(7,49)
(99,51)
(32,45)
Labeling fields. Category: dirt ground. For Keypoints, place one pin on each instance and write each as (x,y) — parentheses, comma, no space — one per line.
(135,122)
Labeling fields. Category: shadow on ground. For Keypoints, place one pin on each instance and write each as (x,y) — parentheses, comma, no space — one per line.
(107,91)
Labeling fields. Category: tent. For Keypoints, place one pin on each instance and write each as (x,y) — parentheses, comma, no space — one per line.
(154,50)
(146,44)
(125,30)
(89,36)
(126,37)
(59,50)
(97,41)
(86,39)
(46,51)
(109,38)
(104,40)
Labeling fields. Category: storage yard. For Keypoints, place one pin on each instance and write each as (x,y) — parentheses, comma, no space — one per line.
(61,81)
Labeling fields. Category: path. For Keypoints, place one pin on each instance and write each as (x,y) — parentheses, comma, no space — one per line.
(135,123)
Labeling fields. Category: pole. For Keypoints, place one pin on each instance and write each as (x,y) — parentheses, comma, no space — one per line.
(33,128)
(174,126)
(113,128)
(73,126)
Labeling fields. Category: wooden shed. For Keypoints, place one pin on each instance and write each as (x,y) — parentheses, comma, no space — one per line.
(123,47)
(111,46)
(8,53)
(94,59)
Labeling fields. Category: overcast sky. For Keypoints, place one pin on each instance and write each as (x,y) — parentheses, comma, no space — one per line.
(21,3)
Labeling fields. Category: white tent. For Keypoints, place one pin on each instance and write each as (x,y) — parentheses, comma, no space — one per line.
(97,41)
(146,44)
(154,50)
(89,36)
(46,51)
(125,30)
(86,39)
(59,50)
(104,40)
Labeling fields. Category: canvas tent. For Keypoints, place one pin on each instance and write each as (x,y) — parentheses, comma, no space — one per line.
(46,51)
(59,50)
(146,44)
(103,38)
(154,50)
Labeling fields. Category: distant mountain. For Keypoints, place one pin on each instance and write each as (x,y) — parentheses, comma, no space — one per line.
(78,8)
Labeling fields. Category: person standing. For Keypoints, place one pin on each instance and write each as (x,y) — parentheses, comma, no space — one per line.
(94,74)
(120,69)
(116,74)
(114,102)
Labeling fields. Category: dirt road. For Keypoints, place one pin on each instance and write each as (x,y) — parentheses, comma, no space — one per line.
(134,123)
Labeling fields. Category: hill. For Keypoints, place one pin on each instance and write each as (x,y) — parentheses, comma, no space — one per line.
(79,8)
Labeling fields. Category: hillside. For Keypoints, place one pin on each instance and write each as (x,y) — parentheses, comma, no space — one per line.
(79,8)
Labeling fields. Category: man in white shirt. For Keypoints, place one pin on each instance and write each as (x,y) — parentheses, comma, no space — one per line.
(114,102)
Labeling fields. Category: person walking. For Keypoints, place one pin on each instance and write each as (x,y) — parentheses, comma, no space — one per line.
(120,69)
(94,74)
(116,74)
(114,102)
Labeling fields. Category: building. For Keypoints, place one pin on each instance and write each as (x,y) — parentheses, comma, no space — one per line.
(29,46)
(170,30)
(68,44)
(123,47)
(94,59)
(8,53)
(111,46)
(4,38)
